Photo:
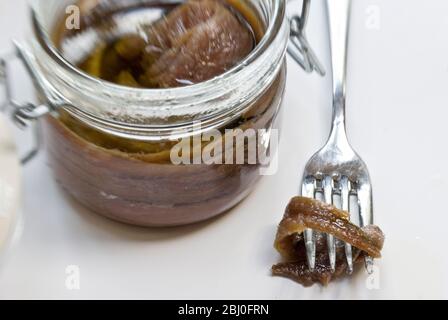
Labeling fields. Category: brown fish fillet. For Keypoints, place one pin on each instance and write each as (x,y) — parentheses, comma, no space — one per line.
(195,42)
(303,213)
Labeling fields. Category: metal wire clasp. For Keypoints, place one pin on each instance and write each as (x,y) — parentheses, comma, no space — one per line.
(299,48)
(22,114)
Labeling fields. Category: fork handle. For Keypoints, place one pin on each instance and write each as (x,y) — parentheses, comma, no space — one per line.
(338,18)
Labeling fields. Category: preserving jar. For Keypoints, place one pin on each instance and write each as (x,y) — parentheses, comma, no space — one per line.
(111,146)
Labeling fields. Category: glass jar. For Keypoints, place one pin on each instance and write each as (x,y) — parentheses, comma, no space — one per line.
(111,147)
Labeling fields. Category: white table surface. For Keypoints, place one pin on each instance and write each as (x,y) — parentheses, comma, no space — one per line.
(397,120)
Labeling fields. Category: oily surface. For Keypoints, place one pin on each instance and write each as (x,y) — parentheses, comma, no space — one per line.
(302,213)
(194,42)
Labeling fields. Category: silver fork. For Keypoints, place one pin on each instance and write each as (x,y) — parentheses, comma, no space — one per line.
(336,169)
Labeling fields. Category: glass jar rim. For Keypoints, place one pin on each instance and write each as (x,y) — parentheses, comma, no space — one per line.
(182,99)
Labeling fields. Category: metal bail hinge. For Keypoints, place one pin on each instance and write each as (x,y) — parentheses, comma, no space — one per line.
(22,114)
(299,48)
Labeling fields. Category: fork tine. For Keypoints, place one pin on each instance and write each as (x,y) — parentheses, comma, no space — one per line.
(308,190)
(369,264)
(331,243)
(310,245)
(327,185)
(364,192)
(345,206)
